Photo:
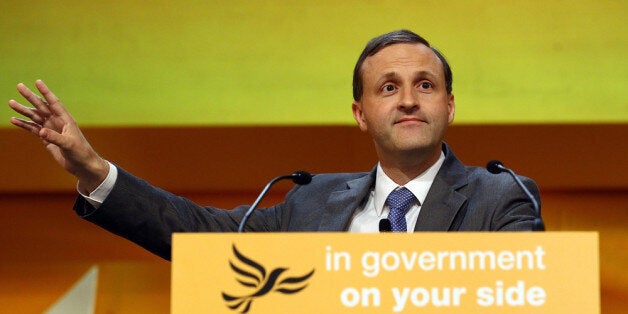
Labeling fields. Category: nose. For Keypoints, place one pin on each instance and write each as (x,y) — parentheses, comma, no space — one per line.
(409,99)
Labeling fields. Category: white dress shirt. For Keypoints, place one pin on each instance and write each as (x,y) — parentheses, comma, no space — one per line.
(98,196)
(375,209)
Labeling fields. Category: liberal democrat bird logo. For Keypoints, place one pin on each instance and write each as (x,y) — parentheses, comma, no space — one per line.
(254,275)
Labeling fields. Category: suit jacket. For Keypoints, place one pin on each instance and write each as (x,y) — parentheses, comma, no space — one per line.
(461,198)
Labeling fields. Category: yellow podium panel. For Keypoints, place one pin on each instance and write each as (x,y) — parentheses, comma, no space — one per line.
(545,272)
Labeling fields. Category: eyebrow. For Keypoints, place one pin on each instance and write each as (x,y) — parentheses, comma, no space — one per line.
(392,76)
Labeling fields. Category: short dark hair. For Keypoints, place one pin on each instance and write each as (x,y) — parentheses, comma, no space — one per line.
(378,43)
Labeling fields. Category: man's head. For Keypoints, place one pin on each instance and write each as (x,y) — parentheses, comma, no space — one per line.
(378,43)
(403,98)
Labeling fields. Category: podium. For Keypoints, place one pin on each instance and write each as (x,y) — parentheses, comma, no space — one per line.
(497,272)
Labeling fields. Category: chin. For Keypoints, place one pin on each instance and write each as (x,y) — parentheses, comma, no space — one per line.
(420,146)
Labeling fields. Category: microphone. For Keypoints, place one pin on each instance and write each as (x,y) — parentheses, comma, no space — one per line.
(298,177)
(495,167)
(384,225)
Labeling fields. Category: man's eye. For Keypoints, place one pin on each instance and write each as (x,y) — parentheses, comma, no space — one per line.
(388,88)
(426,85)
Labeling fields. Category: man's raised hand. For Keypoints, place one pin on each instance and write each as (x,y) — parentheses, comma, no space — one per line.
(52,123)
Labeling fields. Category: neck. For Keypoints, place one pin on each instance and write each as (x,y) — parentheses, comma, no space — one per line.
(405,166)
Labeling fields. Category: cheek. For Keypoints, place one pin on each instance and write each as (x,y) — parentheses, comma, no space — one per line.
(442,110)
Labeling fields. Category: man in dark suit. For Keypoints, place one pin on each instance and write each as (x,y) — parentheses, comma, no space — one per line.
(402,98)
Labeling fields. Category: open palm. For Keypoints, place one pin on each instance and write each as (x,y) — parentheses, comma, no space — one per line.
(52,123)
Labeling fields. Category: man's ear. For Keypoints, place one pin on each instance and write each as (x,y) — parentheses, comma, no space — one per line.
(358,115)
(451,107)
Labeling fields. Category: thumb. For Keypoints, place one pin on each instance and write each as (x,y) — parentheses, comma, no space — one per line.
(52,137)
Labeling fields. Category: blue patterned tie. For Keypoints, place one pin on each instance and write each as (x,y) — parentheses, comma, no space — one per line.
(399,202)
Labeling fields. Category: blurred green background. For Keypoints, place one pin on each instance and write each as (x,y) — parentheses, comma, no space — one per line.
(139,63)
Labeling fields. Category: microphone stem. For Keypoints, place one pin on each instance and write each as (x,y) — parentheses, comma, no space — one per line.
(258,200)
(525,190)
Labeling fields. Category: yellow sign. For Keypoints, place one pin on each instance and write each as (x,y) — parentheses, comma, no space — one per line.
(546,272)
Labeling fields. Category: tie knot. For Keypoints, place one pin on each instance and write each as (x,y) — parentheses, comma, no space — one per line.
(399,202)
(400,199)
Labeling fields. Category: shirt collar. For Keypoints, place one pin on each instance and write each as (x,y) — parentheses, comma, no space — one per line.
(419,186)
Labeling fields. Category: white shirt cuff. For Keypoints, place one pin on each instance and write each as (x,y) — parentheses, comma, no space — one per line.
(98,196)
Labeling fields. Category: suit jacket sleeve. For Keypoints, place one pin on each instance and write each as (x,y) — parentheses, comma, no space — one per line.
(148,215)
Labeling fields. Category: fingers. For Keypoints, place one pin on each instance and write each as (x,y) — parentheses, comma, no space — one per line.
(26,125)
(48,111)
(31,113)
(35,100)
(45,134)
(53,102)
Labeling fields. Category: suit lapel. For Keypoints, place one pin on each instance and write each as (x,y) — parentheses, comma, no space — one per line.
(443,201)
(341,204)
(440,208)
(438,212)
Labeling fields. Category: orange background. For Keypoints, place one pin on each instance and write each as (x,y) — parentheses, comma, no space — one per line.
(44,247)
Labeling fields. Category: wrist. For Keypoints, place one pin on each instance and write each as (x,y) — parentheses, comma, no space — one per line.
(94,175)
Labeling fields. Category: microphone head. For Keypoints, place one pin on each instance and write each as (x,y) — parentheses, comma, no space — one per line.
(301,177)
(384,225)
(495,166)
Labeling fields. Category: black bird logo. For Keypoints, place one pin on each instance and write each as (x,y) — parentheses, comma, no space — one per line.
(256,278)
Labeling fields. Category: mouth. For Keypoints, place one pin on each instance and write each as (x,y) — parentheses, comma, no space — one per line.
(410,120)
